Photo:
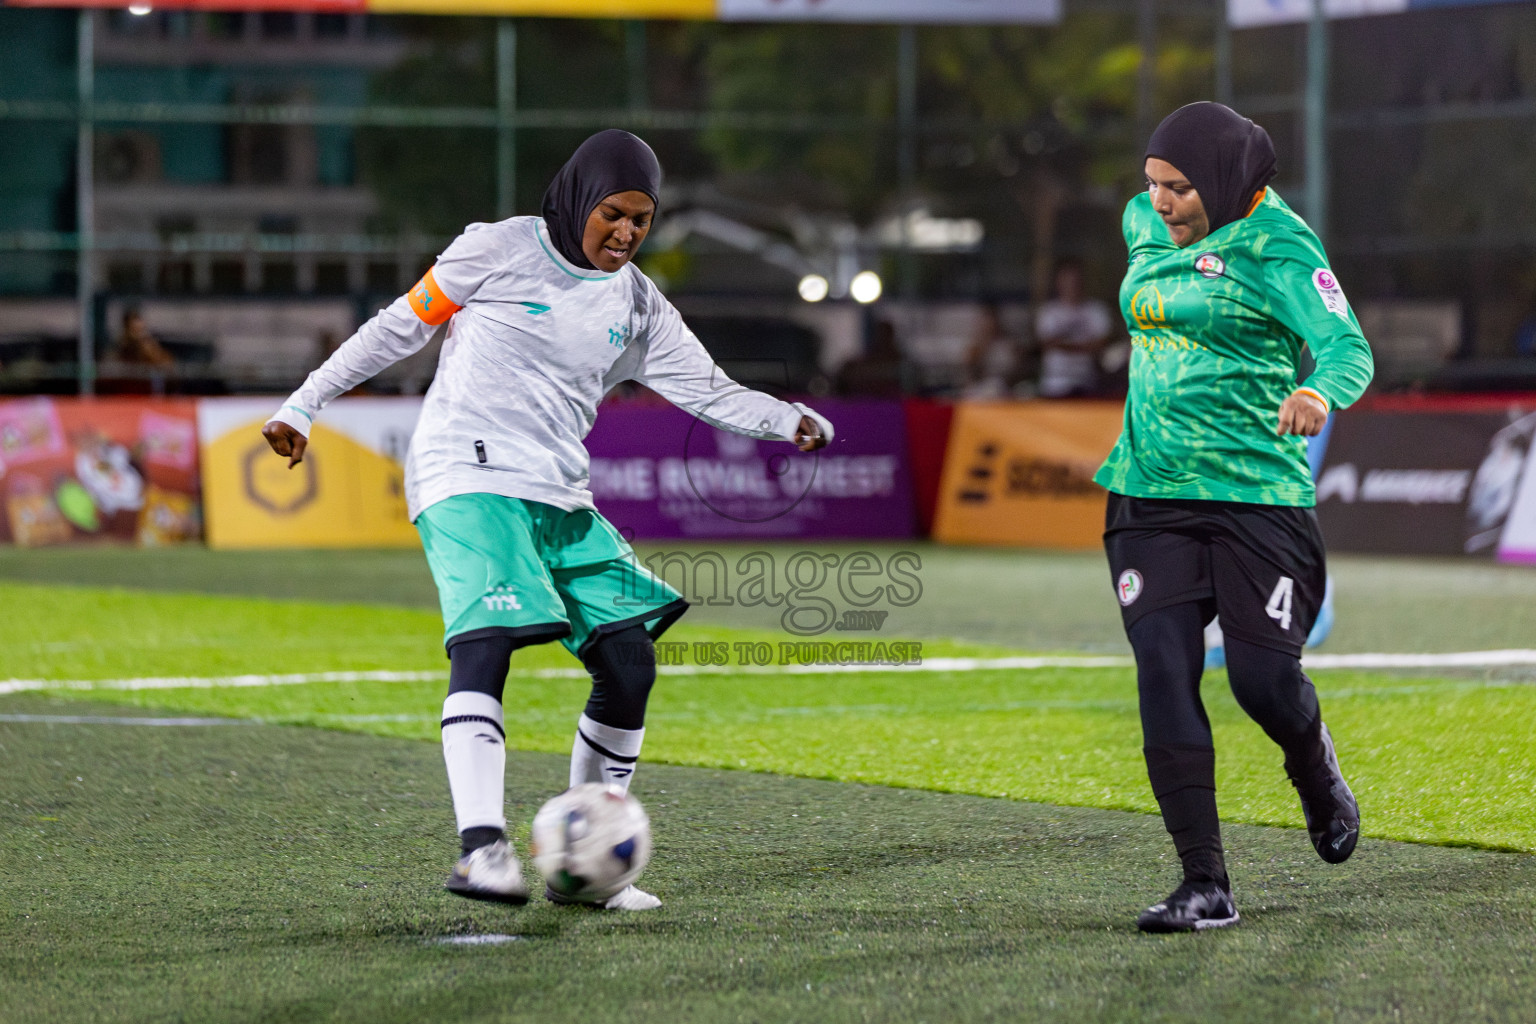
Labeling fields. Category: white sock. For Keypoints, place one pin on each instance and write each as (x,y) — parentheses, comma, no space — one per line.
(474,748)
(604,754)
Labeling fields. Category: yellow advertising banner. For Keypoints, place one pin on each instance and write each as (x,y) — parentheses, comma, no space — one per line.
(1021,473)
(683,9)
(349,492)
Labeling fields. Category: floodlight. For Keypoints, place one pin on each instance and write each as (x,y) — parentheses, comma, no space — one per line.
(865,286)
(814,287)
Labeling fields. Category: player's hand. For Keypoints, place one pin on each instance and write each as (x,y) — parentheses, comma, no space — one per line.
(1302,414)
(286,441)
(808,436)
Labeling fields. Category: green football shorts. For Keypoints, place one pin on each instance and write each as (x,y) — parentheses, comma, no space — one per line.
(533,572)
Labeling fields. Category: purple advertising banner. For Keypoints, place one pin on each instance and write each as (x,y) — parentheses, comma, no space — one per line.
(658,472)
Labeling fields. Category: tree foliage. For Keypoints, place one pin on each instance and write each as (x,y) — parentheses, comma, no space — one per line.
(1024,93)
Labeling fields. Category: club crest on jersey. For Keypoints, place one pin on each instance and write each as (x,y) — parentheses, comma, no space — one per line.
(1147,308)
(1210,265)
(618,335)
(1129,587)
(1332,295)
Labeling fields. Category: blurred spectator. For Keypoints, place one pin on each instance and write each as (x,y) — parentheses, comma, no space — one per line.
(138,347)
(1072,330)
(994,363)
(880,372)
(138,364)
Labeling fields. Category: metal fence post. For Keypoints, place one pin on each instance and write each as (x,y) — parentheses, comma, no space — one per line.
(85,202)
(1223,54)
(506,112)
(1146,71)
(637,88)
(1317,122)
(906,148)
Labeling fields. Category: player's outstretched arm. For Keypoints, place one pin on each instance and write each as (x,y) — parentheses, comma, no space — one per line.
(389,337)
(670,360)
(399,330)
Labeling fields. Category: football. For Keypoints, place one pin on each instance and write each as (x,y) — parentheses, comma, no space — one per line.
(591,841)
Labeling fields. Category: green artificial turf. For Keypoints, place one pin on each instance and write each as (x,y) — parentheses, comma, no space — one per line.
(1444,761)
(263,873)
(268,874)
(1036,600)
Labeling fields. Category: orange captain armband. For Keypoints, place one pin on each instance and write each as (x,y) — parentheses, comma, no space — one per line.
(429,302)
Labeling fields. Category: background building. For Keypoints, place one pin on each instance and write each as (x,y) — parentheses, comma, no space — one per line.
(261,182)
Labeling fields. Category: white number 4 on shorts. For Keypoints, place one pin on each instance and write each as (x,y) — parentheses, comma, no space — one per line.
(1279,607)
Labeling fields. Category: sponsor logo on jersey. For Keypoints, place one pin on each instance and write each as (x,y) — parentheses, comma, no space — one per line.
(1167,343)
(502,599)
(1210,265)
(1333,296)
(1147,308)
(1129,587)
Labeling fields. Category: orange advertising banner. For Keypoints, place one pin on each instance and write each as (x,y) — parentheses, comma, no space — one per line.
(1021,473)
(102,470)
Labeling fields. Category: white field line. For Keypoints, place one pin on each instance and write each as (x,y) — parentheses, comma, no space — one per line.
(474,940)
(301,678)
(217,682)
(1455,659)
(123,720)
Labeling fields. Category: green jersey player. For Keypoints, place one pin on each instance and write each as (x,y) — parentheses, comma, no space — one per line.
(1210,506)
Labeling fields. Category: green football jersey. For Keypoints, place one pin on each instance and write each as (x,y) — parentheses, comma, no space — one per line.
(1217,329)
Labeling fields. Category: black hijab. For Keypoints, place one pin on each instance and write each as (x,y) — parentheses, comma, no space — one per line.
(1224,155)
(609,162)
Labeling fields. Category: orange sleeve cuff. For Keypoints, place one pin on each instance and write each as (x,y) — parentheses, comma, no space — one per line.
(429,302)
(1313,393)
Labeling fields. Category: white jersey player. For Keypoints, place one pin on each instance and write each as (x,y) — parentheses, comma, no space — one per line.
(543,316)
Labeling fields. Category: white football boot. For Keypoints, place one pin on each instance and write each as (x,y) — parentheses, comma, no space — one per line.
(627,898)
(489,873)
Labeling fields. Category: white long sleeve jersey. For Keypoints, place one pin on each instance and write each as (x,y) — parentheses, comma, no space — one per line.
(533,344)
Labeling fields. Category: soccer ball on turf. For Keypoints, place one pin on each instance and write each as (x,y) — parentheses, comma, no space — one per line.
(591,841)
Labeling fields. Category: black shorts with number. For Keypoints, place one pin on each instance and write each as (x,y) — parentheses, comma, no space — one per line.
(1262,566)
